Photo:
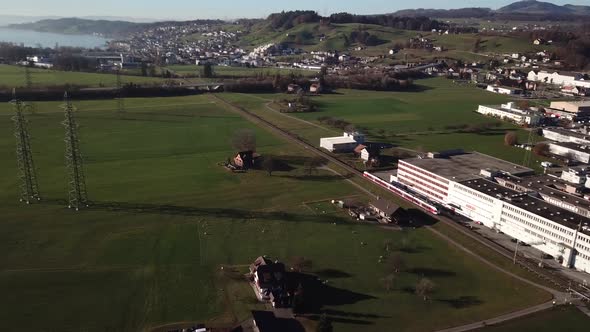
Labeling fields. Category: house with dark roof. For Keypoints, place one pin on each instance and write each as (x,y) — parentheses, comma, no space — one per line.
(245,159)
(270,280)
(388,212)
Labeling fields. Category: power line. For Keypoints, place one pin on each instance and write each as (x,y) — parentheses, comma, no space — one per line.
(77,194)
(29,188)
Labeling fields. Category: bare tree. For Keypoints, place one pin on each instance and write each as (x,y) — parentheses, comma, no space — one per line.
(424,288)
(541,149)
(387,244)
(244,140)
(300,263)
(269,164)
(510,139)
(389,281)
(395,263)
(312,165)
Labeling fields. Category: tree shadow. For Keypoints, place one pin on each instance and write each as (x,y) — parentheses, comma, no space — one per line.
(212,212)
(332,274)
(431,272)
(462,302)
(320,178)
(318,293)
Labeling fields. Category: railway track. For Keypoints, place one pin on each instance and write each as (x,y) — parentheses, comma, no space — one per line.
(560,282)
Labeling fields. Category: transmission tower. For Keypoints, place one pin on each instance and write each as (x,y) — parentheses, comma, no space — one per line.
(28,78)
(120,100)
(528,153)
(29,189)
(77,195)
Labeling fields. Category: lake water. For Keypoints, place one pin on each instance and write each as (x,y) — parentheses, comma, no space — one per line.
(47,39)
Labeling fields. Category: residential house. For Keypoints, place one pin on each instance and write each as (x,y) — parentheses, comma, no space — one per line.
(388,212)
(245,159)
(293,88)
(315,88)
(270,280)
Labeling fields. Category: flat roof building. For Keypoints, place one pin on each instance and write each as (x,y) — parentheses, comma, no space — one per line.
(465,183)
(345,143)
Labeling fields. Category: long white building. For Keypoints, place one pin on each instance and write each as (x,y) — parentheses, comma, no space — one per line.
(465,183)
(559,78)
(510,112)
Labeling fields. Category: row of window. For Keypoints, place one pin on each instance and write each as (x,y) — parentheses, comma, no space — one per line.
(445,189)
(537,227)
(475,193)
(406,165)
(534,217)
(425,191)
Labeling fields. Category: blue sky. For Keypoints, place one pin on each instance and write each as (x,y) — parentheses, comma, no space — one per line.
(183,9)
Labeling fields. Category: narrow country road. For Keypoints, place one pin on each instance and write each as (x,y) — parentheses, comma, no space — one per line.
(527,311)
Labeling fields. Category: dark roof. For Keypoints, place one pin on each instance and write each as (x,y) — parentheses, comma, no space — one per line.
(385,206)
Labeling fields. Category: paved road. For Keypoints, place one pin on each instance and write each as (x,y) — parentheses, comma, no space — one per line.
(354,171)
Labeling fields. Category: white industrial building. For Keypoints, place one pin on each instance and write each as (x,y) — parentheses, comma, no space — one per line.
(341,144)
(467,183)
(581,137)
(571,151)
(504,90)
(510,112)
(559,78)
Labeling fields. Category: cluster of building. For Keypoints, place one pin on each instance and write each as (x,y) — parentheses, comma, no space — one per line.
(548,212)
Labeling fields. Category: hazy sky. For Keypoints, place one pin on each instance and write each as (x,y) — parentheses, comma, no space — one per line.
(182,9)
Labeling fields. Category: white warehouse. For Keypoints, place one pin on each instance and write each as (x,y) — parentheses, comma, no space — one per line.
(342,144)
(468,184)
(512,113)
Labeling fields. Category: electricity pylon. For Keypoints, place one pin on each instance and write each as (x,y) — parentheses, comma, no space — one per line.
(120,100)
(28,78)
(29,188)
(77,195)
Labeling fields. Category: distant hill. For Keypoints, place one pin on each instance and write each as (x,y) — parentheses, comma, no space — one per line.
(80,26)
(526,9)
(535,7)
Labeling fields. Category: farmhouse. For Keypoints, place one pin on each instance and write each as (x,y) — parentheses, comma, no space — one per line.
(342,144)
(315,88)
(245,159)
(270,280)
(510,112)
(466,183)
(388,212)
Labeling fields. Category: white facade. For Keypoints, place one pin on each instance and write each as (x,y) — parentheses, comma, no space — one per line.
(566,136)
(345,143)
(508,111)
(503,90)
(558,79)
(528,219)
(571,151)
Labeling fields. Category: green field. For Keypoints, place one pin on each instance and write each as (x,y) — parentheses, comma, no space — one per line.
(567,319)
(235,72)
(14,77)
(416,120)
(165,217)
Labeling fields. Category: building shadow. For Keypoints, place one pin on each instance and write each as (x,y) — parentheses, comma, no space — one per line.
(462,302)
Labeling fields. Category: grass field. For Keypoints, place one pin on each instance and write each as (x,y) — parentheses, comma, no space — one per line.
(416,120)
(231,72)
(165,217)
(564,319)
(14,77)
